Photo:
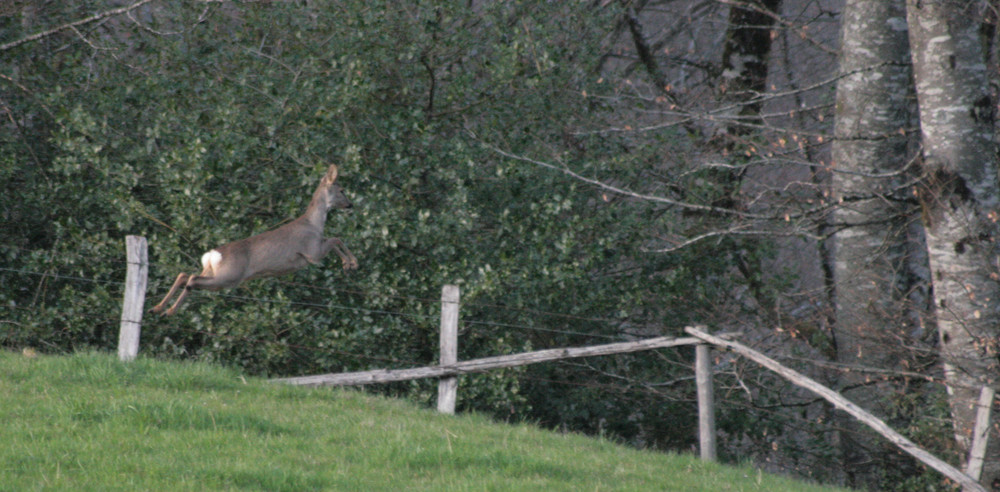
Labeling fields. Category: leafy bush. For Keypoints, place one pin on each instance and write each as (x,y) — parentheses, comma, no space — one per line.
(198,124)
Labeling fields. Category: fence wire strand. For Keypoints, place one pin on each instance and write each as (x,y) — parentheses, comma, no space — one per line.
(410,315)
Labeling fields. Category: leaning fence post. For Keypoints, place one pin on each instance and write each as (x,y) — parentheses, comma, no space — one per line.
(135,296)
(706,401)
(981,433)
(448,387)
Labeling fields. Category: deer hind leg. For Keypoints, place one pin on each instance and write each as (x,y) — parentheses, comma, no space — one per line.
(335,244)
(180,298)
(182,279)
(203,281)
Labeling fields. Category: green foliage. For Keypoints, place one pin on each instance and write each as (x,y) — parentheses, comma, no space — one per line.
(216,123)
(89,422)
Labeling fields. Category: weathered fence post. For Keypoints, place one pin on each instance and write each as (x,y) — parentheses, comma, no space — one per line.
(135,296)
(448,387)
(981,434)
(706,401)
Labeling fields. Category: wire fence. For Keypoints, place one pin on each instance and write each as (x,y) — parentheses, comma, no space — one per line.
(74,272)
(60,265)
(351,289)
(737,389)
(67,267)
(75,261)
(626,388)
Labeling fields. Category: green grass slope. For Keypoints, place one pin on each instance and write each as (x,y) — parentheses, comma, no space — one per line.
(88,422)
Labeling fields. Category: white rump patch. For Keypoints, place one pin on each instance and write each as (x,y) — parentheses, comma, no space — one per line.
(211,260)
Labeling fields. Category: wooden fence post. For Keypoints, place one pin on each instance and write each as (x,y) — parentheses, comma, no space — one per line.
(706,401)
(448,387)
(981,433)
(135,296)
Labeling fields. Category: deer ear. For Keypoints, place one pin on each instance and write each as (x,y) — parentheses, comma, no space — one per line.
(331,173)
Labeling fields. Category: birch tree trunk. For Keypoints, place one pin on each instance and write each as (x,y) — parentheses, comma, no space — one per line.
(961,202)
(869,155)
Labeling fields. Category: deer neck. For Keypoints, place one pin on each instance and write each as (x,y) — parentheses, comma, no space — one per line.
(315,214)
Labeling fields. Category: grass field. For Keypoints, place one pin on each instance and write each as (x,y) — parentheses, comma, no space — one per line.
(88,422)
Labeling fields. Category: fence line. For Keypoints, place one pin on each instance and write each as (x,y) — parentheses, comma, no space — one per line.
(353,291)
(59,276)
(135,318)
(545,330)
(319,305)
(357,309)
(472,303)
(824,364)
(449,369)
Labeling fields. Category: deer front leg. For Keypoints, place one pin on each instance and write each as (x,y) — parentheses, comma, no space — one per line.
(312,261)
(181,279)
(335,244)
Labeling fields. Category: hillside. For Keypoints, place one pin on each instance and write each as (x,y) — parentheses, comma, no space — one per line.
(88,422)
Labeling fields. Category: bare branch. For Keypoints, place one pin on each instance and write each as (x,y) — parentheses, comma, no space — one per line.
(87,41)
(72,25)
(646,54)
(736,230)
(728,113)
(733,231)
(622,191)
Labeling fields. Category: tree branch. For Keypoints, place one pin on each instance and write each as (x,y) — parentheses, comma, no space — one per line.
(72,25)
(622,191)
(646,54)
(733,231)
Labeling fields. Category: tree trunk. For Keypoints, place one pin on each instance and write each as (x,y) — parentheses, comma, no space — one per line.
(869,155)
(961,202)
(745,54)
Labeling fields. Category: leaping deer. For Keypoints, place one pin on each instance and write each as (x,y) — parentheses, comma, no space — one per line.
(269,254)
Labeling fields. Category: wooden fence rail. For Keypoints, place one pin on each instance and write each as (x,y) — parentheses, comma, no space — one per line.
(484,364)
